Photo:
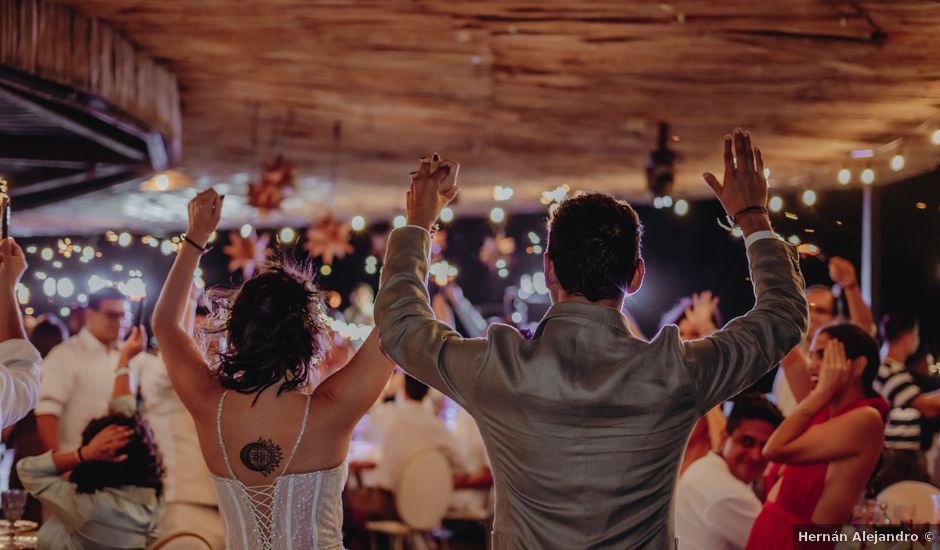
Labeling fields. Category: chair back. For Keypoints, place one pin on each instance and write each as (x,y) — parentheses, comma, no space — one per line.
(424,490)
(181,540)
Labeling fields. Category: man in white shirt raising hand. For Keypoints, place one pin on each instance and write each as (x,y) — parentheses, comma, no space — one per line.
(78,374)
(19,360)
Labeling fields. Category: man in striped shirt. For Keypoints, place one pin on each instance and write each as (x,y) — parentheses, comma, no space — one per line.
(904,456)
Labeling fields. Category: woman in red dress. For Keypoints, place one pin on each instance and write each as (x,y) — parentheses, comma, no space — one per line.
(824,452)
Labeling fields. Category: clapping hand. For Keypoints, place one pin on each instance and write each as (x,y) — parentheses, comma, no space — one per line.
(12,263)
(107,443)
(205,210)
(425,198)
(744,184)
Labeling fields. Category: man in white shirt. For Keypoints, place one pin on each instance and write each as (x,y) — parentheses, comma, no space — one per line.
(715,504)
(19,360)
(406,428)
(78,374)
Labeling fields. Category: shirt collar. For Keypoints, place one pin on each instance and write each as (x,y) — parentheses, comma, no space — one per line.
(592,312)
(91,343)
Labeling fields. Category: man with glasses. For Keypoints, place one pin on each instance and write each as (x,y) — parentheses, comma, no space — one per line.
(78,374)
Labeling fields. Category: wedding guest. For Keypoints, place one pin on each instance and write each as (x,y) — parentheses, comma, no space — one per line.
(23,437)
(112,498)
(77,374)
(715,501)
(791,383)
(19,360)
(904,457)
(824,453)
(698,317)
(567,415)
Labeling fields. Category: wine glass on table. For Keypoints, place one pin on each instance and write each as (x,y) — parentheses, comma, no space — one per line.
(13,504)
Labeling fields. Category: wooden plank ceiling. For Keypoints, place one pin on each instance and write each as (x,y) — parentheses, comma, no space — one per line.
(535,94)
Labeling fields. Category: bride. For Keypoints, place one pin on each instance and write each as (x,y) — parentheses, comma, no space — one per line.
(276,450)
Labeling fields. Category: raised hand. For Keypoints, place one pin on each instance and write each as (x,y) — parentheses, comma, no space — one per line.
(842,272)
(205,210)
(107,444)
(425,198)
(12,263)
(743,184)
(702,312)
(134,344)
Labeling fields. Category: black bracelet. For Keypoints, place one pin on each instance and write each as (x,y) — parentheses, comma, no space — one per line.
(201,249)
(81,459)
(747,210)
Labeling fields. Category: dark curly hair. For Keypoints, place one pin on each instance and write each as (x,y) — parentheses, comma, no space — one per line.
(142,468)
(594,243)
(273,326)
(752,406)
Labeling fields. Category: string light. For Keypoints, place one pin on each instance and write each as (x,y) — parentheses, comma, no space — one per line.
(667,201)
(286,235)
(49,287)
(167,247)
(65,287)
(935,137)
(845,176)
(501,193)
(399,221)
(809,197)
(868,176)
(125,239)
(447,215)
(46,254)
(682,207)
(503,273)
(65,312)
(245,231)
(766,173)
(497,215)
(326,270)
(358,223)
(657,202)
(775,204)
(897,162)
(794,240)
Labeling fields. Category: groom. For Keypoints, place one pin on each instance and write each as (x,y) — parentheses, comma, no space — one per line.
(585,424)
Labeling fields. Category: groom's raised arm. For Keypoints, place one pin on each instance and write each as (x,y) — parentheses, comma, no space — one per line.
(735,357)
(409,333)
(426,348)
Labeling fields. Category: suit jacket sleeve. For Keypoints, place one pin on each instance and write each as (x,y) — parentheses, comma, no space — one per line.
(424,347)
(733,358)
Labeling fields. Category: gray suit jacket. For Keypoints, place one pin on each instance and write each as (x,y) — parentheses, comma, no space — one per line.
(585,425)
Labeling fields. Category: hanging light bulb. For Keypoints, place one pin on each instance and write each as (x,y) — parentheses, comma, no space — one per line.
(935,137)
(809,197)
(868,176)
(845,176)
(897,162)
(775,204)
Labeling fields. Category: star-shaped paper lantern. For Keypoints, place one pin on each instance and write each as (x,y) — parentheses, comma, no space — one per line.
(497,248)
(329,239)
(246,253)
(277,181)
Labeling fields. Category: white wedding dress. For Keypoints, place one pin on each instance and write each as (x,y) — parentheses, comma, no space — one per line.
(297,511)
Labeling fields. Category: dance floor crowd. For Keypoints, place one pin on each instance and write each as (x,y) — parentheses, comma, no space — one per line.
(252,425)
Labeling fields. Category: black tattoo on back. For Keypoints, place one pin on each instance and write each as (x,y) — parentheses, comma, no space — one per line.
(262,456)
